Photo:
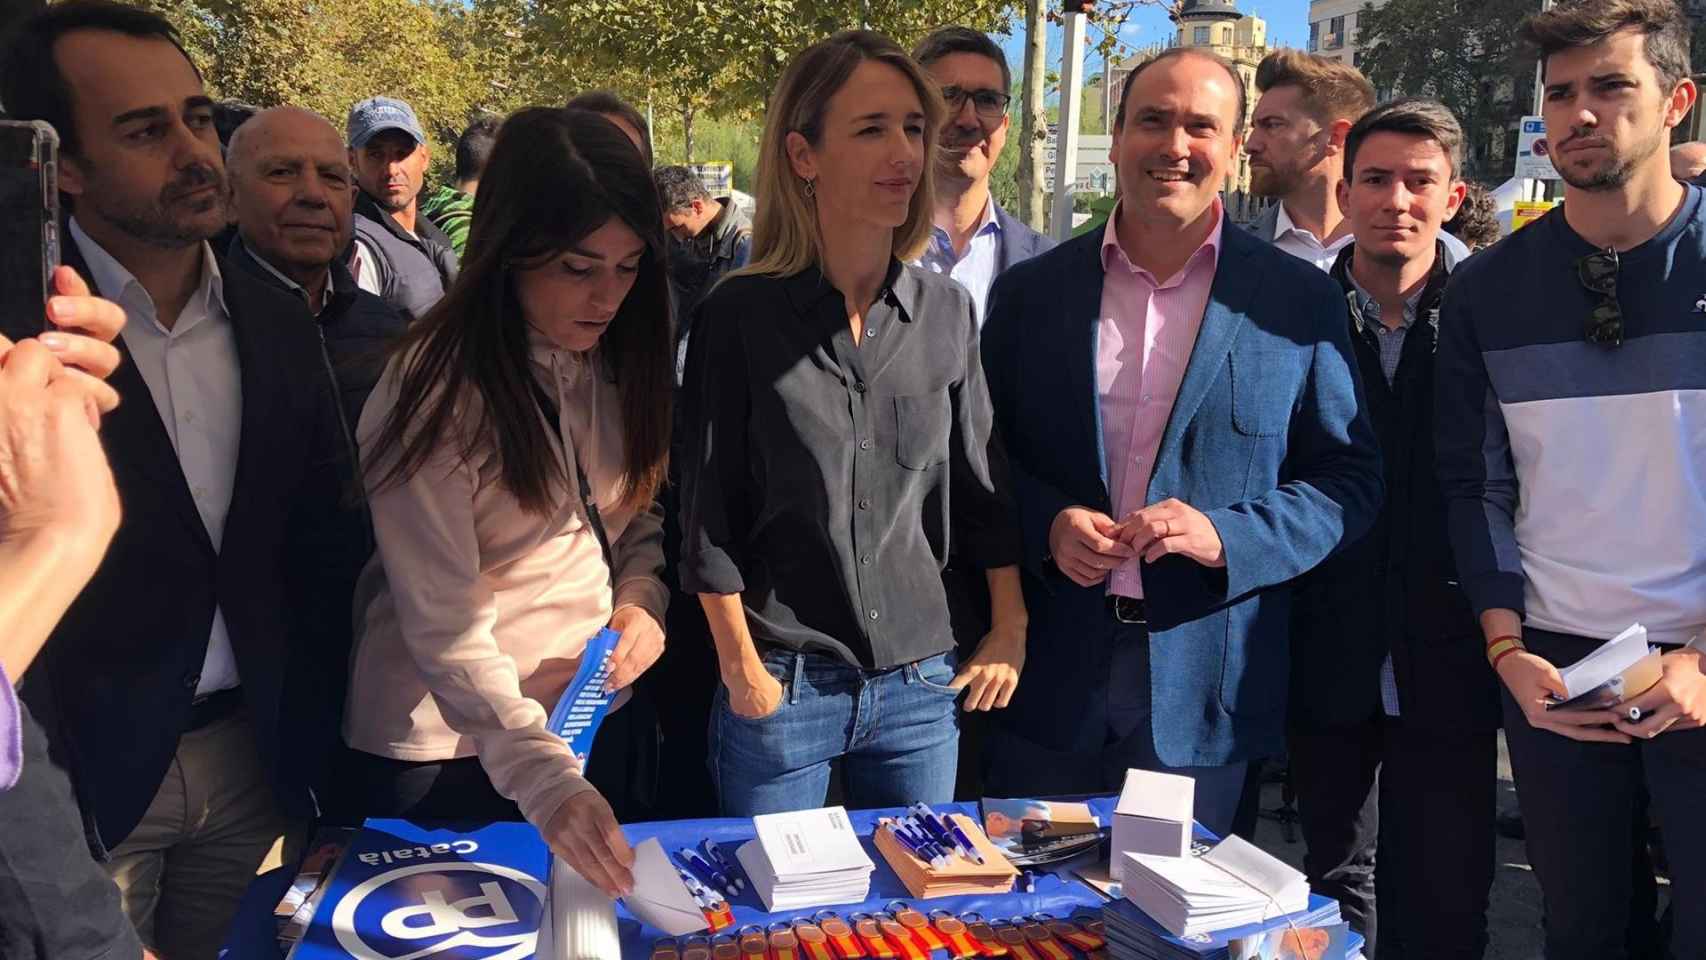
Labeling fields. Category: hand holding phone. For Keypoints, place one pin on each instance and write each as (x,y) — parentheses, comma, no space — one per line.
(29,224)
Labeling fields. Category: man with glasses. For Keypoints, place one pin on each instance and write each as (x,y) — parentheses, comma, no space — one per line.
(1571,454)
(974,240)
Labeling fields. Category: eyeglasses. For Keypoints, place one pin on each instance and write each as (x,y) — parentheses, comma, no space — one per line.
(1598,273)
(989,104)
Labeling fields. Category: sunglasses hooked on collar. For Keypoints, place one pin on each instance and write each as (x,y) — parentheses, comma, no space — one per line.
(1598,274)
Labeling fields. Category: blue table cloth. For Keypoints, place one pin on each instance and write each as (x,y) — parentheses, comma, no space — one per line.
(253,936)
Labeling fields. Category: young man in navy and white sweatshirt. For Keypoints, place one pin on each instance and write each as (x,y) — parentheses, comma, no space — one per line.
(1571,442)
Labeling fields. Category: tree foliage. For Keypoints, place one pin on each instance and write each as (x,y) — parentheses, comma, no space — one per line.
(723,57)
(1464,53)
(450,58)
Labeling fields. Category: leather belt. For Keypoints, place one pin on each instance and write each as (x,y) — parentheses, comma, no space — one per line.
(214,707)
(1128,609)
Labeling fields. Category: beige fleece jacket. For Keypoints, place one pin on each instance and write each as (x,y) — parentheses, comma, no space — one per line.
(472,616)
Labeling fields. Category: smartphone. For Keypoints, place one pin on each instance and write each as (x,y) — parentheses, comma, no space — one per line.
(29,224)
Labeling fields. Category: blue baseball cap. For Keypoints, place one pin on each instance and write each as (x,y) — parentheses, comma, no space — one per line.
(378,114)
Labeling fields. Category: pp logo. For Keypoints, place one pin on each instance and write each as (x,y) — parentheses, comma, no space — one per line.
(482,911)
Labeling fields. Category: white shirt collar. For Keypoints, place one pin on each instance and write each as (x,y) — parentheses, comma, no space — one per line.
(118,284)
(325,295)
(1285,225)
(984,222)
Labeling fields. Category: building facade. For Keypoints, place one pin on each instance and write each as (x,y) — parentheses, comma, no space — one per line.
(1333,28)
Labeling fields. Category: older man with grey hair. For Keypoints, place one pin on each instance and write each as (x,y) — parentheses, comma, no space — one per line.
(291,191)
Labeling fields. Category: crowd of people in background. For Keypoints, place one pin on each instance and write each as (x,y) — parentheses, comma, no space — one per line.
(321,479)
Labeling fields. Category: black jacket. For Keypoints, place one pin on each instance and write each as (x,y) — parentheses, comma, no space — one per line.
(414,271)
(114,684)
(1395,589)
(358,328)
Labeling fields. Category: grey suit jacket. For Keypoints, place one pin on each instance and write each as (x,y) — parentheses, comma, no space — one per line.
(1266,225)
(1018,241)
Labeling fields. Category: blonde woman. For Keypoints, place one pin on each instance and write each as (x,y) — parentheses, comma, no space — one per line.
(841,443)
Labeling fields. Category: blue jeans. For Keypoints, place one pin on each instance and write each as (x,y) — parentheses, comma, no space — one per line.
(896,732)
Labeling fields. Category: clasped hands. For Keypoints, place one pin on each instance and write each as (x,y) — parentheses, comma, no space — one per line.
(1087,544)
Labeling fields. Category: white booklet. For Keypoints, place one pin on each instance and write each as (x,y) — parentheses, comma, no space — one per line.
(806,858)
(1622,667)
(801,843)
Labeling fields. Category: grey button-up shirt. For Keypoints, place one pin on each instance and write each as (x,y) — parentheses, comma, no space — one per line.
(826,477)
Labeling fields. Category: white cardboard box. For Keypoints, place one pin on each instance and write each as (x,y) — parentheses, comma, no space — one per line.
(1153,817)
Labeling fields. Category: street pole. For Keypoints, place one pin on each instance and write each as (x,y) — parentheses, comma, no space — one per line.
(1540,69)
(1066,136)
(1031,116)
(1536,189)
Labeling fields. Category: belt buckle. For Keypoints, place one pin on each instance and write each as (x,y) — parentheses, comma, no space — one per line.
(1121,604)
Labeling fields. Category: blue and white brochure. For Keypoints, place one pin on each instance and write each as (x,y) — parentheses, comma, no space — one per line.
(404,892)
(584,704)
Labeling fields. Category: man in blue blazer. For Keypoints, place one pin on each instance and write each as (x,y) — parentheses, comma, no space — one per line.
(1181,449)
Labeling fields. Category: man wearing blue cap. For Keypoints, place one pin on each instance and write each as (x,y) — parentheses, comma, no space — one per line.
(399,255)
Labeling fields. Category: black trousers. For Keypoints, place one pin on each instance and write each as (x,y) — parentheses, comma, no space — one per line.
(624,769)
(1578,801)
(1420,802)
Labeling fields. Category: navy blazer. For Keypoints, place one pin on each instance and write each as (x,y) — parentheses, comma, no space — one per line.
(1269,437)
(1018,242)
(114,684)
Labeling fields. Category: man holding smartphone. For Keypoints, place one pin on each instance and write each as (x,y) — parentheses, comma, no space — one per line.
(195,687)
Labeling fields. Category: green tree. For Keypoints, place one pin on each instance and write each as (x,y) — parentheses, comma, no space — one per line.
(326,55)
(723,57)
(1462,52)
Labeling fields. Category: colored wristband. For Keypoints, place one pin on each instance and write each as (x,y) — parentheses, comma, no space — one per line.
(1502,650)
(1504,636)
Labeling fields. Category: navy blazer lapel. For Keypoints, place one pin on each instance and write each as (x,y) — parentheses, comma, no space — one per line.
(1004,244)
(259,372)
(1082,294)
(1236,278)
(133,433)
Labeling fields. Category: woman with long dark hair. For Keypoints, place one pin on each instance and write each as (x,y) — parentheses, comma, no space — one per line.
(842,436)
(513,451)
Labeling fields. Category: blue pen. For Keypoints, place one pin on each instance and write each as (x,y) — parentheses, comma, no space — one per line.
(716,857)
(925,828)
(928,843)
(923,851)
(701,896)
(916,832)
(943,837)
(699,869)
(718,880)
(965,841)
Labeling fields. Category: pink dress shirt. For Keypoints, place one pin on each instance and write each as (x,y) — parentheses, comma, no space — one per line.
(1144,340)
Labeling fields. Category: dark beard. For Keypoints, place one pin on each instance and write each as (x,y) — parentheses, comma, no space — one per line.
(1622,168)
(1274,182)
(154,223)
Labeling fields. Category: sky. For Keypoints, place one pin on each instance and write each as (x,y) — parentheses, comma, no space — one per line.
(1288,26)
